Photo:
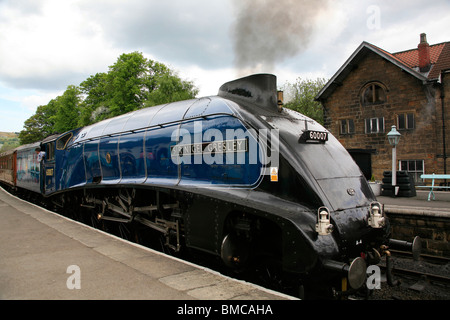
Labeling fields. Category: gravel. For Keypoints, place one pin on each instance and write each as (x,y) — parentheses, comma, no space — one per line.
(410,288)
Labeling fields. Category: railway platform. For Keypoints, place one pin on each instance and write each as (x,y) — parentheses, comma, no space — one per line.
(411,216)
(419,202)
(44,256)
(418,205)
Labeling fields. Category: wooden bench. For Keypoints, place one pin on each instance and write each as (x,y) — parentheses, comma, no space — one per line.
(433,177)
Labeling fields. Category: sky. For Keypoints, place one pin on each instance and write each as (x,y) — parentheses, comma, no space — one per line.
(47,45)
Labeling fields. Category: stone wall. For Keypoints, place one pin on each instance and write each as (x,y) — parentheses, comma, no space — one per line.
(405,95)
(433,229)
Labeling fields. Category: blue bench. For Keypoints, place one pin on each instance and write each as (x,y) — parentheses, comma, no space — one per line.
(433,177)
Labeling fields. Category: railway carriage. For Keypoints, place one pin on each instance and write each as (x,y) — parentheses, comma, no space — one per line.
(8,167)
(28,168)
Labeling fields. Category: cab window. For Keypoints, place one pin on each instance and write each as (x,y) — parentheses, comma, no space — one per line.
(50,151)
(62,142)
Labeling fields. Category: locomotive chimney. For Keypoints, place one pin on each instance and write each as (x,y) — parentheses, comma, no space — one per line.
(424,54)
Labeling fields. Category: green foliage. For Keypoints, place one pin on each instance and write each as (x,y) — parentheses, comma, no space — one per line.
(39,125)
(94,88)
(132,83)
(67,110)
(169,89)
(301,97)
(8,141)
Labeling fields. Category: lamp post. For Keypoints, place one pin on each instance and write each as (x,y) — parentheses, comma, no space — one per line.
(394,138)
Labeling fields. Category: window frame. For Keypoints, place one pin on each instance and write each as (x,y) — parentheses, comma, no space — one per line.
(50,151)
(407,121)
(375,99)
(63,141)
(415,173)
(368,123)
(347,126)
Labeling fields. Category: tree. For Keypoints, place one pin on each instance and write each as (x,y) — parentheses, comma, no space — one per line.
(171,88)
(58,116)
(67,110)
(132,83)
(94,89)
(128,82)
(302,94)
(40,125)
(129,85)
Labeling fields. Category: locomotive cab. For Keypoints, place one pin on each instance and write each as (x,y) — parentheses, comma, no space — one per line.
(48,165)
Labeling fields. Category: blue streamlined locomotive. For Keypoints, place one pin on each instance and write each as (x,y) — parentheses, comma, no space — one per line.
(235,175)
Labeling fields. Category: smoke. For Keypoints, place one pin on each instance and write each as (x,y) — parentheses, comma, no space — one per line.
(269,31)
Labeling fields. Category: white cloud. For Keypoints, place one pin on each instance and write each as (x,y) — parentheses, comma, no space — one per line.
(17,105)
(174,31)
(208,81)
(52,47)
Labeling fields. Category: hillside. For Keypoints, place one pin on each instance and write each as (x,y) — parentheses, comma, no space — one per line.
(8,140)
(8,135)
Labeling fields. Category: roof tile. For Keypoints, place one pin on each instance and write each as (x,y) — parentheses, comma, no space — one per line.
(411,58)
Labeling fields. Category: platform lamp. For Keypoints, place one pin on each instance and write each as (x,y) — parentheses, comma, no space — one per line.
(394,139)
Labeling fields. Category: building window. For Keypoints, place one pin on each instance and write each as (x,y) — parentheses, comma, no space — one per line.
(415,168)
(405,121)
(374,125)
(373,93)
(347,126)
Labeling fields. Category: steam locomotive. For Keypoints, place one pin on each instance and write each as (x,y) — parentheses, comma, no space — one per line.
(234,175)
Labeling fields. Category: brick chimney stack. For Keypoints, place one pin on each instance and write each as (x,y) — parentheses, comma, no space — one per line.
(424,54)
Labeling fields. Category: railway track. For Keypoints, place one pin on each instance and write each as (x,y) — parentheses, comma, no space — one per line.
(425,279)
(434,268)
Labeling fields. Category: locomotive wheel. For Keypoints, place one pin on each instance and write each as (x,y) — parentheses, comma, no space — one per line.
(268,272)
(124,231)
(129,232)
(235,251)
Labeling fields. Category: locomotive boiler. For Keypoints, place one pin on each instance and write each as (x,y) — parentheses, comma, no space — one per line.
(234,175)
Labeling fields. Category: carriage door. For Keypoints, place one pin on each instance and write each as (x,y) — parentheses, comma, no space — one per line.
(48,168)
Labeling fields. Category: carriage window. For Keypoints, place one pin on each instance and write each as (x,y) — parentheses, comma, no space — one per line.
(373,93)
(62,142)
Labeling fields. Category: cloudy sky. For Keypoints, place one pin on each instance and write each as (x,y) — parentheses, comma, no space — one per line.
(47,45)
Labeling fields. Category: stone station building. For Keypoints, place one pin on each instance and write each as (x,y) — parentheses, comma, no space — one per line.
(374,90)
